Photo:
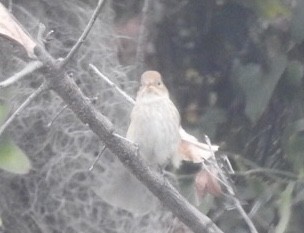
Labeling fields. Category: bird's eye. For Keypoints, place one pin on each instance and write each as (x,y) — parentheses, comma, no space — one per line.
(158,83)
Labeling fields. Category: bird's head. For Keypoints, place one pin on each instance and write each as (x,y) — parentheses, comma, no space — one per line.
(152,85)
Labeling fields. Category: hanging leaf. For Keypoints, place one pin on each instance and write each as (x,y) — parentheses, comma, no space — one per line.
(190,149)
(12,159)
(258,85)
(10,27)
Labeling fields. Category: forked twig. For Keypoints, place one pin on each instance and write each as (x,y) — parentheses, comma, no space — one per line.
(84,34)
(36,93)
(30,68)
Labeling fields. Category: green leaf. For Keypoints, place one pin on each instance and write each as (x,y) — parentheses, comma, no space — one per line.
(12,159)
(258,85)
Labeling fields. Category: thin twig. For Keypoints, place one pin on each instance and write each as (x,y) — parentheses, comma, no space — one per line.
(85,33)
(143,35)
(29,69)
(56,116)
(37,92)
(120,91)
(97,158)
(125,139)
(231,192)
(272,173)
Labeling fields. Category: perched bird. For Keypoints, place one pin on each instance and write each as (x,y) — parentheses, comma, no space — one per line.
(155,122)
(155,127)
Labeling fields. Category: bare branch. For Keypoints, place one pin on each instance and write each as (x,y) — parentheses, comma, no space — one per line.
(37,92)
(29,69)
(84,34)
(120,91)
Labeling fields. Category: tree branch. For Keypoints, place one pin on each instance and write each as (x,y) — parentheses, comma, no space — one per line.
(37,92)
(30,68)
(120,91)
(126,153)
(84,34)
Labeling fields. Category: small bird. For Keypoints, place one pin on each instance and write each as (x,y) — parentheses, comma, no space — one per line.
(155,127)
(155,123)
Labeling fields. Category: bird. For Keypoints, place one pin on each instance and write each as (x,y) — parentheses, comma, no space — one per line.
(155,123)
(155,126)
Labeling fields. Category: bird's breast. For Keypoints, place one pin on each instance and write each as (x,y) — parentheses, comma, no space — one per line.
(155,127)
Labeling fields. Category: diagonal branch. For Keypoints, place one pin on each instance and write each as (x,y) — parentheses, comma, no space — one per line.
(37,92)
(126,153)
(85,33)
(29,69)
(113,85)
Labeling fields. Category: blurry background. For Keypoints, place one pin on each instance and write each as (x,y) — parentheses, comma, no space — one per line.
(235,71)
